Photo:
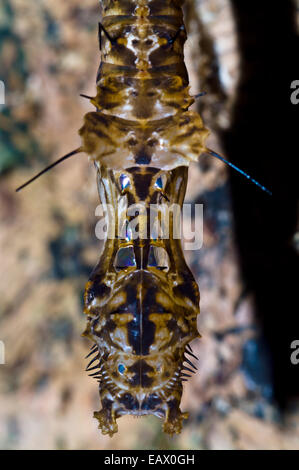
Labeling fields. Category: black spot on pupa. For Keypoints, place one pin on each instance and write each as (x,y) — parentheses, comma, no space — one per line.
(151,402)
(129,402)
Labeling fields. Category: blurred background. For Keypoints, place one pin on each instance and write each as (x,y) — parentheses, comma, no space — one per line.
(245,396)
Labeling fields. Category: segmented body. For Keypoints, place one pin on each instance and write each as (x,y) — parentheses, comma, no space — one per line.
(141,313)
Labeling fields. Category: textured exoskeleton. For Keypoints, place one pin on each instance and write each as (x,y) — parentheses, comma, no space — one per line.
(141,300)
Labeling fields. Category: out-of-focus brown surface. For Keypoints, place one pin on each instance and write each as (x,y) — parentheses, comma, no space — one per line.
(48,55)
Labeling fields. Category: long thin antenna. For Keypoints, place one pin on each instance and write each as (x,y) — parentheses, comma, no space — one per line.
(68,155)
(202,93)
(214,154)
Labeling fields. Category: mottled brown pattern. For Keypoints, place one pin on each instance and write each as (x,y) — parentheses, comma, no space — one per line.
(142,91)
(142,317)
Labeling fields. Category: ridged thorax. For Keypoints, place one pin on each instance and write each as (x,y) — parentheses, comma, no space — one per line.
(143,90)
(143,72)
